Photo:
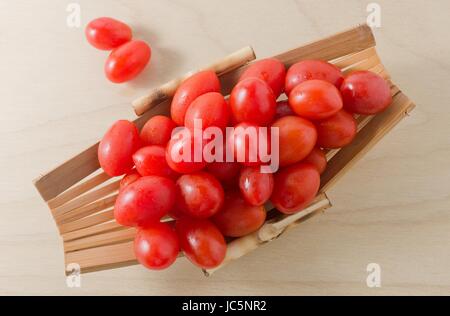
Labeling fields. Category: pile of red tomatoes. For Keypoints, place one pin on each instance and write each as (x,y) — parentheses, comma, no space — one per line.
(210,201)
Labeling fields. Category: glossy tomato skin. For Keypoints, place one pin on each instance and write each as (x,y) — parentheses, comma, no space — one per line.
(107,33)
(199,195)
(283,109)
(117,147)
(271,70)
(315,99)
(317,158)
(310,70)
(151,161)
(225,172)
(129,178)
(253,101)
(201,241)
(144,201)
(297,137)
(238,218)
(193,87)
(295,187)
(256,187)
(211,108)
(177,145)
(157,130)
(365,92)
(156,247)
(336,131)
(127,61)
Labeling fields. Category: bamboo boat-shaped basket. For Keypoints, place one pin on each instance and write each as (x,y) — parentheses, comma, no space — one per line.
(81,196)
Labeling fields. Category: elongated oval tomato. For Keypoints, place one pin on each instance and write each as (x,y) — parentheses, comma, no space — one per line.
(271,70)
(238,218)
(295,187)
(365,92)
(116,149)
(151,161)
(193,87)
(144,201)
(283,109)
(210,109)
(107,33)
(129,178)
(336,131)
(199,195)
(256,187)
(201,241)
(225,171)
(253,101)
(157,130)
(315,99)
(317,158)
(312,69)
(127,61)
(297,137)
(156,247)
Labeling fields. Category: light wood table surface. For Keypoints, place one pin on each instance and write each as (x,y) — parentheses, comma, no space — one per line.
(392,209)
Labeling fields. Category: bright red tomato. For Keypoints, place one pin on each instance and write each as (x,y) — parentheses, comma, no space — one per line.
(253,101)
(181,153)
(117,147)
(151,161)
(193,87)
(312,69)
(127,61)
(145,201)
(283,109)
(107,33)
(336,131)
(156,247)
(270,70)
(317,158)
(201,241)
(295,187)
(238,218)
(315,99)
(199,195)
(210,108)
(128,179)
(157,130)
(256,187)
(297,137)
(365,92)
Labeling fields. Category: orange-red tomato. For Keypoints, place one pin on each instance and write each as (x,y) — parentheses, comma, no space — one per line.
(107,33)
(295,187)
(156,247)
(317,158)
(193,87)
(151,160)
(312,69)
(270,70)
(181,153)
(365,92)
(157,130)
(238,218)
(117,147)
(297,137)
(128,179)
(283,109)
(256,187)
(315,99)
(127,61)
(336,131)
(224,171)
(210,108)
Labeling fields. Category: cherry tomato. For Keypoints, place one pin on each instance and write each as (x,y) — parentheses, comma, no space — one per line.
(312,69)
(181,153)
(151,161)
(256,187)
(238,218)
(156,247)
(315,99)
(295,187)
(157,130)
(193,87)
(253,101)
(317,158)
(117,147)
(211,108)
(199,195)
(270,70)
(201,241)
(283,109)
(128,179)
(224,171)
(107,33)
(365,92)
(127,61)
(297,137)
(336,131)
(144,201)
